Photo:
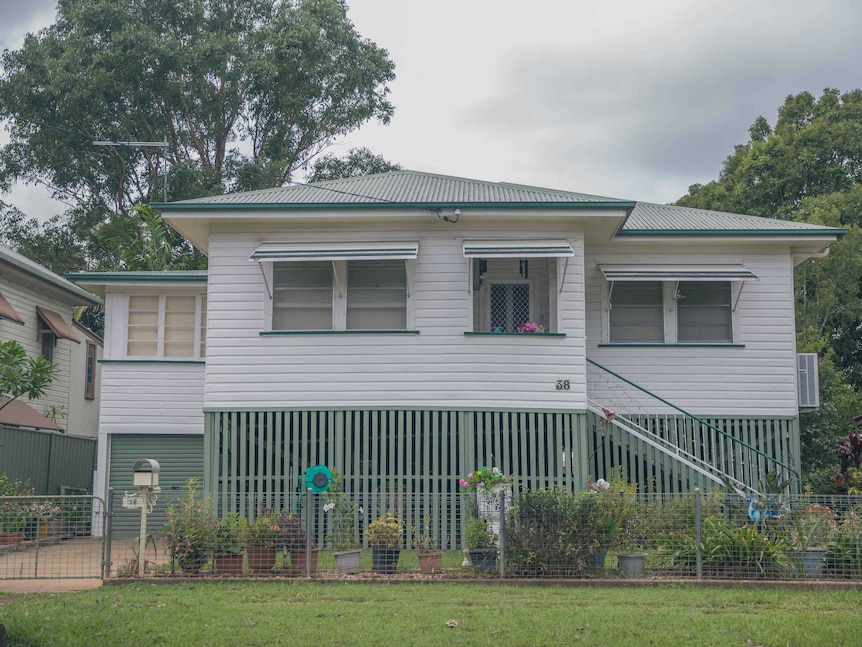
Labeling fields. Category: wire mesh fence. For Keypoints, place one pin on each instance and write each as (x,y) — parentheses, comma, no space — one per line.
(534,534)
(530,534)
(44,537)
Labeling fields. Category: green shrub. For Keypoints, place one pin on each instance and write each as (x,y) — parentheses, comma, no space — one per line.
(553,532)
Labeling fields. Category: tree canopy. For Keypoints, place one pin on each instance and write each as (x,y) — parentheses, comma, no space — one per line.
(22,375)
(808,168)
(245,92)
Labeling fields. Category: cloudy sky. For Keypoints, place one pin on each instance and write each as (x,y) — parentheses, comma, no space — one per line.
(623,98)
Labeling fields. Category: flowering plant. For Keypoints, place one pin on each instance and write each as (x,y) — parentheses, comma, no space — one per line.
(190,529)
(484,480)
(264,529)
(43,510)
(530,327)
(14,512)
(342,512)
(615,502)
(385,531)
(813,527)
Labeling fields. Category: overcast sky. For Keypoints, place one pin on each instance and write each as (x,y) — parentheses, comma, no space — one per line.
(622,98)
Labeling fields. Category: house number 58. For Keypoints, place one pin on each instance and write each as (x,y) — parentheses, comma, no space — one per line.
(562,385)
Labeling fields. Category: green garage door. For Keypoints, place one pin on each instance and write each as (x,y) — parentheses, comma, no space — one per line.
(180,458)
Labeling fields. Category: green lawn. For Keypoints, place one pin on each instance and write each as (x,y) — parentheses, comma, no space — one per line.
(402,614)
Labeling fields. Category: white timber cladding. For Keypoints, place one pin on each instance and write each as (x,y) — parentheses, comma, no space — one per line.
(438,367)
(151,397)
(25,296)
(754,377)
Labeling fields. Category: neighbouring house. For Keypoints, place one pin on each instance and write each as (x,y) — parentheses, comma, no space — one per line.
(406,328)
(36,310)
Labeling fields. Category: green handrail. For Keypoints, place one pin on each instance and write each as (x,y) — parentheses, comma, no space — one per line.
(756,451)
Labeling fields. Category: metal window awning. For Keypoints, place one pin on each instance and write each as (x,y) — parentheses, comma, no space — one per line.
(287,252)
(8,312)
(55,322)
(718,272)
(519,249)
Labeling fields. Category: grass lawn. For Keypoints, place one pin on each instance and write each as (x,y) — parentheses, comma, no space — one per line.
(403,614)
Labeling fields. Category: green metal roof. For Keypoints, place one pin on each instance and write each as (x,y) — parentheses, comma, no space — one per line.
(406,189)
(24,264)
(125,277)
(649,219)
(398,189)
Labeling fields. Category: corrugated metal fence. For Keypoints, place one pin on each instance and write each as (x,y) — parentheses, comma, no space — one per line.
(48,460)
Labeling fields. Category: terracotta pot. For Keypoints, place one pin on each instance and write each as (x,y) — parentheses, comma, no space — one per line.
(11,537)
(429,563)
(297,562)
(261,559)
(229,564)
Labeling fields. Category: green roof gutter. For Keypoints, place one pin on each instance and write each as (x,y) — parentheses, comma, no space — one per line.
(804,233)
(114,277)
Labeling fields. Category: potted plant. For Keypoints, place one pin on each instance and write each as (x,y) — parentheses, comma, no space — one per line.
(429,552)
(481,542)
(13,510)
(488,488)
(341,513)
(631,557)
(292,537)
(811,531)
(44,514)
(190,529)
(260,541)
(384,535)
(229,545)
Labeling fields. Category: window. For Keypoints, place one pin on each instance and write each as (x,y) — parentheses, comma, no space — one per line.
(376,295)
(704,312)
(509,306)
(167,326)
(90,372)
(302,296)
(47,339)
(637,312)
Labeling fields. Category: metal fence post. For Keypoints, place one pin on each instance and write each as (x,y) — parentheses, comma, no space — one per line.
(698,532)
(309,512)
(502,508)
(108,520)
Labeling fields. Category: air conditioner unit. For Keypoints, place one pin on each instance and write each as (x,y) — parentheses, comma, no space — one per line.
(807,382)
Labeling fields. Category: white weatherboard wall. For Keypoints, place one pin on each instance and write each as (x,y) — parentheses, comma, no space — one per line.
(24,295)
(440,367)
(757,380)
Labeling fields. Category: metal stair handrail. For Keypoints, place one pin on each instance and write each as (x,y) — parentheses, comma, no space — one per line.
(734,441)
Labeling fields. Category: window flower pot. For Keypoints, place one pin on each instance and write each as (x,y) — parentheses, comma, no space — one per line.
(347,561)
(11,537)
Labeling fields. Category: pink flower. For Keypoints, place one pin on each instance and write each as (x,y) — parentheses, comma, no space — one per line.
(464,483)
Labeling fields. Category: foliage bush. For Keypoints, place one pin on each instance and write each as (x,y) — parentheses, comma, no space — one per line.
(844,552)
(385,531)
(190,530)
(554,532)
(478,536)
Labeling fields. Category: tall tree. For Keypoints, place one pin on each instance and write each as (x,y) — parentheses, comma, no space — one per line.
(814,149)
(808,168)
(245,92)
(358,161)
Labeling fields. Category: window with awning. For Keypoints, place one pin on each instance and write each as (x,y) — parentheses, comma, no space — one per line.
(8,312)
(296,252)
(673,303)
